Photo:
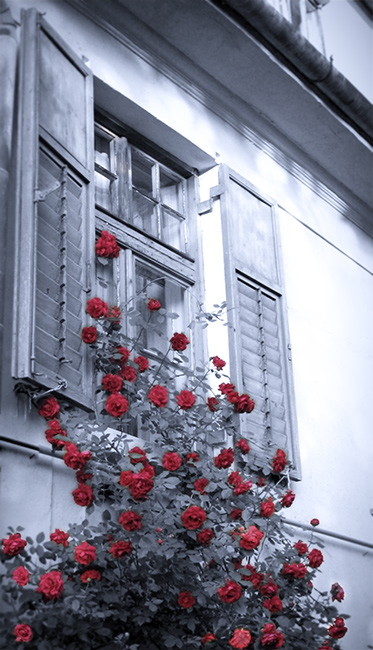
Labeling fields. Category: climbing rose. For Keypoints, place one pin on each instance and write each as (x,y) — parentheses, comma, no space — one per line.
(269,589)
(287,499)
(267,508)
(140,485)
(83,495)
(218,363)
(186,599)
(230,592)
(193,517)
(251,539)
(273,604)
(74,458)
(185,399)
(243,487)
(315,558)
(116,405)
(200,485)
(240,639)
(191,457)
(118,549)
(225,458)
(179,342)
(337,592)
(21,576)
(112,383)
(89,575)
(236,513)
(142,362)
(271,638)
(301,547)
(23,633)
(207,638)
(126,477)
(124,354)
(226,388)
(212,404)
(243,445)
(158,395)
(279,461)
(59,537)
(153,305)
(244,404)
(130,520)
(171,461)
(234,478)
(55,429)
(314,522)
(106,245)
(232,396)
(51,585)
(14,544)
(114,314)
(49,408)
(85,553)
(128,373)
(205,536)
(294,570)
(97,308)
(137,455)
(338,629)
(89,334)
(256,578)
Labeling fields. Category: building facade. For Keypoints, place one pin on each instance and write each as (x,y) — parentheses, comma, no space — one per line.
(231,157)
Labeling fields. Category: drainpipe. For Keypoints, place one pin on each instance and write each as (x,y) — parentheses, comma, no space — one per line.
(8,61)
(278,34)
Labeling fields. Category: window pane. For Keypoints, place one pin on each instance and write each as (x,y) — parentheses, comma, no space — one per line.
(142,172)
(171,190)
(173,230)
(144,214)
(102,162)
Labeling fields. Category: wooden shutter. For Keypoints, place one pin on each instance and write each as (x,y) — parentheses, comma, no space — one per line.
(54,212)
(259,339)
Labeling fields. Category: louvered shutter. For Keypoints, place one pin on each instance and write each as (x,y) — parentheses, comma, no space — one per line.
(54,212)
(259,339)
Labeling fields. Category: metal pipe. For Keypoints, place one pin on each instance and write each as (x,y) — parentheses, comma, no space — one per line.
(324,531)
(25,447)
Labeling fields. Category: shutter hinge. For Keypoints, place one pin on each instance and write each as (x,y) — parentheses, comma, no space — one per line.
(40,195)
(215,193)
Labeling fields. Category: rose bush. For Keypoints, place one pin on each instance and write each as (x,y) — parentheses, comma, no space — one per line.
(186,547)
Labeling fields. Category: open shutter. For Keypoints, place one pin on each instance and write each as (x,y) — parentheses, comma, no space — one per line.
(259,340)
(54,212)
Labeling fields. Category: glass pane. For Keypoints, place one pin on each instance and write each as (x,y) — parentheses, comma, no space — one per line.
(173,230)
(102,191)
(171,189)
(144,214)
(102,158)
(102,151)
(142,170)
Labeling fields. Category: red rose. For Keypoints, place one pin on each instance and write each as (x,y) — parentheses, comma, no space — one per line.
(14,544)
(269,589)
(49,408)
(225,458)
(23,633)
(83,495)
(205,536)
(243,487)
(200,485)
(158,395)
(207,638)
(261,482)
(140,485)
(212,404)
(74,458)
(267,508)
(294,570)
(137,455)
(85,553)
(271,638)
(126,477)
(314,522)
(112,383)
(325,645)
(97,308)
(273,604)
(116,405)
(89,575)
(338,629)
(244,404)
(234,478)
(106,245)
(114,314)
(279,461)
(51,585)
(128,373)
(89,334)
(287,499)
(179,342)
(81,477)
(315,558)
(21,576)
(230,592)
(130,520)
(55,429)
(243,445)
(142,363)
(171,461)
(125,354)
(226,388)
(121,548)
(251,539)
(153,305)
(186,599)
(191,457)
(232,396)
(218,363)
(236,513)
(337,592)
(301,547)
(59,537)
(148,469)
(185,399)
(193,517)
(240,639)
(256,578)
